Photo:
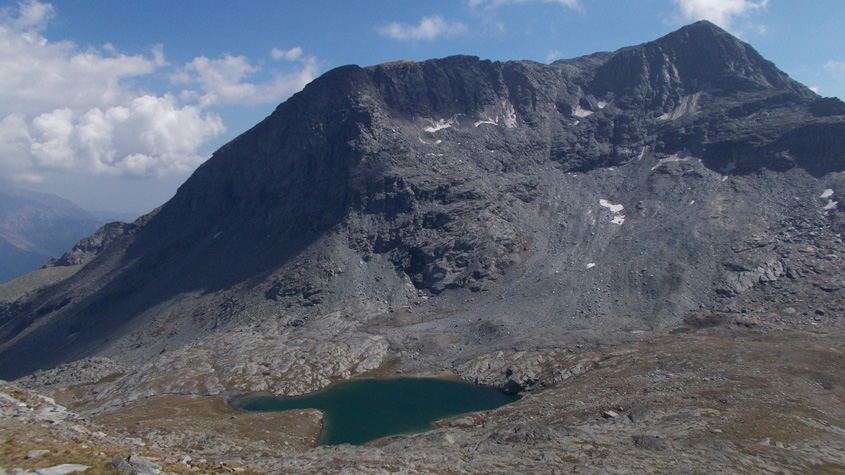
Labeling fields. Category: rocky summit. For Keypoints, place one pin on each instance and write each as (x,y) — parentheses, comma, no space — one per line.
(648,243)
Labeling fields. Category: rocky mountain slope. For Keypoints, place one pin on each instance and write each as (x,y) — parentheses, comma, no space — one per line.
(497,221)
(35,227)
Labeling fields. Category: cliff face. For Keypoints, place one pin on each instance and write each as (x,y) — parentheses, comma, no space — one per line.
(441,210)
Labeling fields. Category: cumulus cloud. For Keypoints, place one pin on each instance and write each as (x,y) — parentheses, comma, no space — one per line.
(223,81)
(289,54)
(721,12)
(33,15)
(150,136)
(67,108)
(430,27)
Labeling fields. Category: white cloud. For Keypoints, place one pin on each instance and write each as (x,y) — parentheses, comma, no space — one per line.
(66,109)
(552,56)
(721,12)
(222,81)
(33,15)
(71,109)
(429,28)
(290,54)
(150,136)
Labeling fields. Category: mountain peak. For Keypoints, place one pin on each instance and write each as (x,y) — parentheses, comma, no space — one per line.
(697,57)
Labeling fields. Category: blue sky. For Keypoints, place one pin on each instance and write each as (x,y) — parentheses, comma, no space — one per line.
(112,104)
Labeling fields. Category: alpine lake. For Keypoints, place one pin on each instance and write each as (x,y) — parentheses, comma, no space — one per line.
(361,410)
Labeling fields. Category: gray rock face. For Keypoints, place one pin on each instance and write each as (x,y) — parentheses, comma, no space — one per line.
(443,211)
(87,249)
(63,469)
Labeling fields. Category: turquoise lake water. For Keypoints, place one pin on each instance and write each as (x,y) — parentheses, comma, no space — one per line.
(362,410)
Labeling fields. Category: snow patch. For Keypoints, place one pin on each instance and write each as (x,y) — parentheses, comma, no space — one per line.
(439,125)
(830,203)
(581,112)
(591,265)
(436,142)
(487,121)
(602,104)
(510,115)
(613,208)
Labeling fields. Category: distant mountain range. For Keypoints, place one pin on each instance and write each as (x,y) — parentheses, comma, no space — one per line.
(35,227)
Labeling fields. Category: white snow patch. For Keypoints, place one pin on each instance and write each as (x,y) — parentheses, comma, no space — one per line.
(487,121)
(581,112)
(831,205)
(436,142)
(613,208)
(827,193)
(602,104)
(510,115)
(692,202)
(591,265)
(725,178)
(439,125)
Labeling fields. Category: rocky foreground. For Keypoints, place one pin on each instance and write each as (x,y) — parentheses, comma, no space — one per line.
(747,393)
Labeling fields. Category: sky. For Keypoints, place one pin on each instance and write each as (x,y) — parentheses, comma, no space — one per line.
(113,104)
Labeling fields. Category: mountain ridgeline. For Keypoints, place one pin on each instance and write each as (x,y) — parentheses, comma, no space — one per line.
(35,227)
(442,210)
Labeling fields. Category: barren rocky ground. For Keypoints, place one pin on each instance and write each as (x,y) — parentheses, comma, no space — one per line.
(723,398)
